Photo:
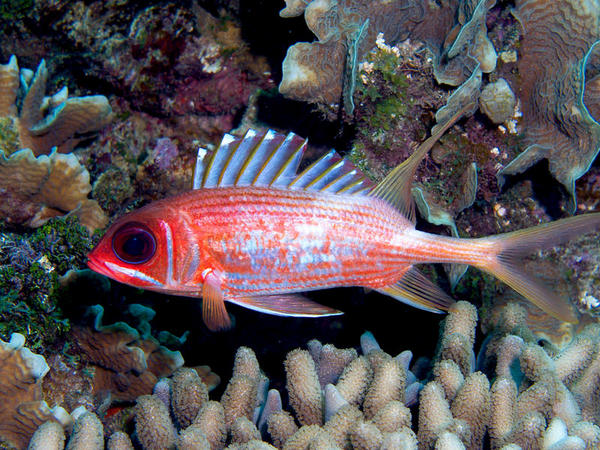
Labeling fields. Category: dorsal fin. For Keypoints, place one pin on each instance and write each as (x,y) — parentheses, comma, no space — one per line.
(272,159)
(396,187)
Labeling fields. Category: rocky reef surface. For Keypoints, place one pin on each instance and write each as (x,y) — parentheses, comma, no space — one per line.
(103,106)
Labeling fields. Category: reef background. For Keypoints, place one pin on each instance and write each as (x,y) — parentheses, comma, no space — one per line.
(177,76)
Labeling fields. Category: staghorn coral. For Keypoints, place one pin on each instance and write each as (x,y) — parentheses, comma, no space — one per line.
(23,408)
(556,122)
(35,189)
(47,122)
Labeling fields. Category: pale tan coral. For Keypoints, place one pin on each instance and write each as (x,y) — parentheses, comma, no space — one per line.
(589,432)
(392,417)
(243,430)
(281,427)
(49,436)
(472,404)
(540,396)
(245,363)
(503,398)
(88,432)
(389,382)
(211,421)
(528,431)
(342,422)
(365,435)
(587,390)
(57,121)
(153,425)
(459,335)
(9,86)
(509,348)
(405,439)
(37,189)
(534,362)
(449,441)
(301,438)
(23,408)
(119,441)
(188,394)
(575,357)
(355,380)
(449,375)
(331,361)
(434,414)
(239,398)
(192,438)
(303,387)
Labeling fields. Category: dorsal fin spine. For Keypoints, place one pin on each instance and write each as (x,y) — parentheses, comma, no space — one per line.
(268,136)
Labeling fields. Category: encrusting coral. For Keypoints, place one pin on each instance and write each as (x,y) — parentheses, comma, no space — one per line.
(324,70)
(47,122)
(560,38)
(23,408)
(35,189)
(127,361)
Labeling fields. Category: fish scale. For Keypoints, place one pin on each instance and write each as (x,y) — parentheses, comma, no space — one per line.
(253,233)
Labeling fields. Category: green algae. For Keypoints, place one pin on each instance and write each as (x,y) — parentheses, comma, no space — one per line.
(30,268)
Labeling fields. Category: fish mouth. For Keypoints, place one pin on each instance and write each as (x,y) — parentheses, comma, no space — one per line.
(98,267)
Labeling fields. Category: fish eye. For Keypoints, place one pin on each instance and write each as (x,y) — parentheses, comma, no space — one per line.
(134,243)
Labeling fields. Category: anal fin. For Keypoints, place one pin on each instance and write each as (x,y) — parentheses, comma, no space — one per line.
(416,290)
(214,312)
(291,305)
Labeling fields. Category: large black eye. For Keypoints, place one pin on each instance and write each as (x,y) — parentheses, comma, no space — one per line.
(134,243)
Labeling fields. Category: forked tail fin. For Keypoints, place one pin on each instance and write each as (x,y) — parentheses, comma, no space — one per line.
(511,247)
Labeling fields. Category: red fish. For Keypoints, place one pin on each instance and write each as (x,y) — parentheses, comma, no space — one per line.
(254,233)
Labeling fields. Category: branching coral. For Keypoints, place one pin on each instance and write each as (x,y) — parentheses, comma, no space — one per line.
(534,401)
(47,122)
(23,408)
(558,126)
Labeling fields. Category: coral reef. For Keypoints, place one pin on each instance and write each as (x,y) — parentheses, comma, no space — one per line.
(23,408)
(324,70)
(513,394)
(127,361)
(35,189)
(47,122)
(31,268)
(560,38)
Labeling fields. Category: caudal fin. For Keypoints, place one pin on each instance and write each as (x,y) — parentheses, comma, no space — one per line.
(511,247)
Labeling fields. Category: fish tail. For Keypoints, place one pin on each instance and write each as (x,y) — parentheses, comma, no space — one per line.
(505,263)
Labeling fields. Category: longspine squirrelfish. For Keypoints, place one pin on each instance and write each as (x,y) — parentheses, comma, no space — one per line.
(255,233)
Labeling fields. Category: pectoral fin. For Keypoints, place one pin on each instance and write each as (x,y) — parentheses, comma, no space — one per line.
(213,304)
(416,290)
(293,305)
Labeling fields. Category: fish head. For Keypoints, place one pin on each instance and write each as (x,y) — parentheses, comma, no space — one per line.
(137,250)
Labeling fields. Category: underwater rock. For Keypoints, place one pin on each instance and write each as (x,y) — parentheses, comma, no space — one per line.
(498,101)
(23,408)
(324,70)
(35,189)
(47,122)
(560,39)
